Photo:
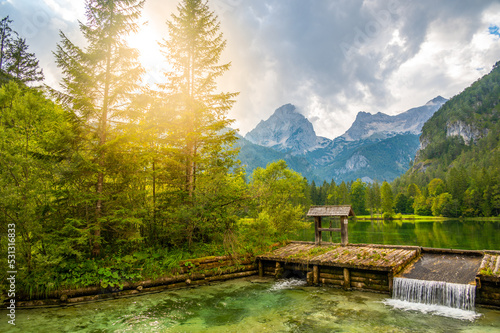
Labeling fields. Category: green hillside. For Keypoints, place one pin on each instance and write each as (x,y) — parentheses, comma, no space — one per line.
(459,165)
(476,109)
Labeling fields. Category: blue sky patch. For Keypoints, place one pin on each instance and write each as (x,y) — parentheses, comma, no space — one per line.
(494,30)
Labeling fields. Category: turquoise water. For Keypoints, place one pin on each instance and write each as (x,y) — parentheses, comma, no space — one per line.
(448,234)
(246,306)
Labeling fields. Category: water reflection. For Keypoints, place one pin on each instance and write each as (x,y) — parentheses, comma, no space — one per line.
(448,234)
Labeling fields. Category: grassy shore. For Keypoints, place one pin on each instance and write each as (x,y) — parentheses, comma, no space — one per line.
(402,217)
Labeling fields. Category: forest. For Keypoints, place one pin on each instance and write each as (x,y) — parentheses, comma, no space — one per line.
(109,180)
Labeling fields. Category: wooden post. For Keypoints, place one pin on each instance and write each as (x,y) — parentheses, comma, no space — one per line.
(390,278)
(343,230)
(261,269)
(278,272)
(331,232)
(315,274)
(309,278)
(317,225)
(347,279)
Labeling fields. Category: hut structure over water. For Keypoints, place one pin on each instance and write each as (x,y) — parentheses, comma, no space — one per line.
(343,212)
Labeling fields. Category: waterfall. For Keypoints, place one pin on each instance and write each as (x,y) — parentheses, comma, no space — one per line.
(453,295)
(436,297)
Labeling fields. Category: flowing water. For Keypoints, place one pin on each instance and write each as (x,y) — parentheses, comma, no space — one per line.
(437,297)
(247,305)
(453,295)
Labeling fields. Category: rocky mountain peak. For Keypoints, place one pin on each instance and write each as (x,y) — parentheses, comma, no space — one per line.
(287,109)
(286,130)
(440,100)
(381,125)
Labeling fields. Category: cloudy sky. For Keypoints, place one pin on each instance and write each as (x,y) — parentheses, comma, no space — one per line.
(331,58)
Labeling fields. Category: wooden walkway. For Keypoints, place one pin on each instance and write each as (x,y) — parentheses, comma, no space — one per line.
(359,256)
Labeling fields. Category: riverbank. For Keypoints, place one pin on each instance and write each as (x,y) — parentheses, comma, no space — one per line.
(190,273)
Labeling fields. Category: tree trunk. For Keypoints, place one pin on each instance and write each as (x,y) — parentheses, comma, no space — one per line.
(96,246)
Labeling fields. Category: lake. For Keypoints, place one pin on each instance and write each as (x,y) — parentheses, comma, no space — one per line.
(447,234)
(245,306)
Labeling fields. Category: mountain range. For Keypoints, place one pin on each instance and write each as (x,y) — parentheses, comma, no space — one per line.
(376,146)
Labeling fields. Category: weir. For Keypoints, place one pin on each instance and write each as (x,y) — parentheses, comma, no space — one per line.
(439,281)
(453,295)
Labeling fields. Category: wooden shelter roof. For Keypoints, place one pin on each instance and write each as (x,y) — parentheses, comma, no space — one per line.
(345,210)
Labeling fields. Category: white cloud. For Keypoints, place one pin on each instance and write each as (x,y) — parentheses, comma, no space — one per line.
(405,52)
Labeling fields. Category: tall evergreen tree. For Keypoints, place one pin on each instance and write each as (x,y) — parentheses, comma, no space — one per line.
(5,41)
(193,51)
(23,65)
(99,82)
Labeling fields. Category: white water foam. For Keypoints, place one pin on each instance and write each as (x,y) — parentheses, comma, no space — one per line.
(439,310)
(287,284)
(435,297)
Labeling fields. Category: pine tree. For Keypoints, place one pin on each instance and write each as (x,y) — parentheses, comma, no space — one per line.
(23,65)
(193,51)
(99,82)
(5,41)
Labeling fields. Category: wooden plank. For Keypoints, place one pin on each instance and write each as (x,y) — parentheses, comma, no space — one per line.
(330,211)
(332,281)
(360,285)
(331,276)
(357,273)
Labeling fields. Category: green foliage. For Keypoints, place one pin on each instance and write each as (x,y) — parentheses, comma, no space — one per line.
(403,204)
(15,60)
(279,193)
(387,199)
(422,205)
(5,42)
(486,271)
(23,65)
(373,198)
(256,235)
(436,187)
(358,197)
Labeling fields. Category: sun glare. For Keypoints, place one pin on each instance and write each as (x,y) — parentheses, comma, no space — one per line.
(151,58)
